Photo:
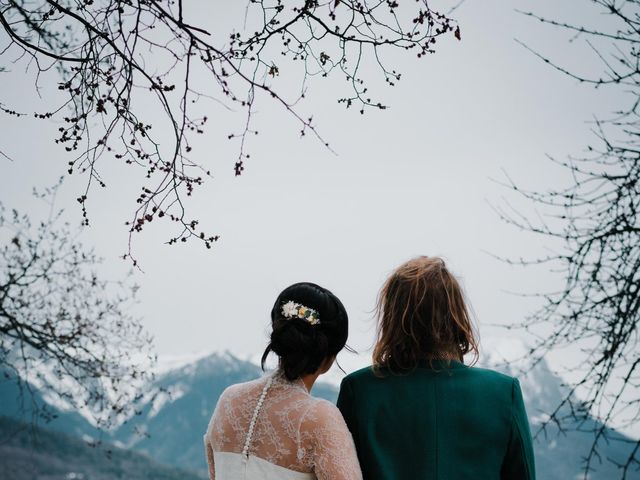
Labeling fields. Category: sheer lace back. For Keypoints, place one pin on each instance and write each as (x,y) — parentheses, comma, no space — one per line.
(278,421)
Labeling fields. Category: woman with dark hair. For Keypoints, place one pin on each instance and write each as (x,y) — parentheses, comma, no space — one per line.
(419,412)
(271,428)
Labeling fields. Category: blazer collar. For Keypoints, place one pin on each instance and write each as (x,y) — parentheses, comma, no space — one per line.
(440,364)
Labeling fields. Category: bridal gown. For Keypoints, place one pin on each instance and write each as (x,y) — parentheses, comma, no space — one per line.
(272,429)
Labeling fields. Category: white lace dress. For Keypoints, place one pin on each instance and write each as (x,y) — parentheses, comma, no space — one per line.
(272,429)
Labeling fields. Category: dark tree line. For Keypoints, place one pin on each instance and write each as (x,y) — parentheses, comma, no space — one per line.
(64,328)
(112,56)
(595,220)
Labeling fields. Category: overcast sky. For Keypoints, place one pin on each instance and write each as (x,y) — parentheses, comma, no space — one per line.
(416,179)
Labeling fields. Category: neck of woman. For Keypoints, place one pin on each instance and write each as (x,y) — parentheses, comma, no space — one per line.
(309,379)
(305,381)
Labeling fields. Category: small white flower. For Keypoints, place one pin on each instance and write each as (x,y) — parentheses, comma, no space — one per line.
(290,309)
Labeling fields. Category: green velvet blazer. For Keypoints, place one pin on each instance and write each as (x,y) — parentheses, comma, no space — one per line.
(442,421)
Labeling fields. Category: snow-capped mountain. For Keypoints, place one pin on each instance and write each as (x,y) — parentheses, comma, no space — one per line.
(172,420)
(173,424)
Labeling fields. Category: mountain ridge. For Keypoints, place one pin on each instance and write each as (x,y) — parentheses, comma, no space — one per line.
(28,452)
(170,425)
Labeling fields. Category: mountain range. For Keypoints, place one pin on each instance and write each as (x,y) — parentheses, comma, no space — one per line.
(169,427)
(28,452)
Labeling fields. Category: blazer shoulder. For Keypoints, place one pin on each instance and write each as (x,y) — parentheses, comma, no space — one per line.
(498,379)
(359,375)
(486,376)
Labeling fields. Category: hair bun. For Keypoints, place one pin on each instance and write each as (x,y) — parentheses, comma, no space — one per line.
(289,335)
(302,346)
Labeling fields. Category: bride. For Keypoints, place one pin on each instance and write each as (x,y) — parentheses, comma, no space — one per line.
(272,428)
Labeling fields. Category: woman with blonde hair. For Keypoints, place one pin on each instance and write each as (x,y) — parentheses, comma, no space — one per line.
(419,412)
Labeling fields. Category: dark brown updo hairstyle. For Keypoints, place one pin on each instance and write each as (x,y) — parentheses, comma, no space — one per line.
(422,315)
(301,346)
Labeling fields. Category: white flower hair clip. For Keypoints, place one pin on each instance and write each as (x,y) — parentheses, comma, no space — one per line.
(292,309)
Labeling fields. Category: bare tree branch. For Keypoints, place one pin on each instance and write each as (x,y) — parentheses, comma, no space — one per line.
(594,220)
(63,328)
(105,51)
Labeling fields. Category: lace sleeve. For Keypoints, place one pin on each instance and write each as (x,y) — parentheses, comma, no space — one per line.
(329,447)
(210,463)
(209,436)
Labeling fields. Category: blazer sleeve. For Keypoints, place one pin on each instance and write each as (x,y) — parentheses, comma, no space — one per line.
(345,404)
(519,463)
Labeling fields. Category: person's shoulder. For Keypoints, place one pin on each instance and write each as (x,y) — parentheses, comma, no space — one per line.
(324,406)
(368,374)
(320,412)
(490,373)
(359,376)
(491,377)
(239,389)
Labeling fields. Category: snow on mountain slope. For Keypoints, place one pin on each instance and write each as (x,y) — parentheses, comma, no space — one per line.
(174,413)
(559,455)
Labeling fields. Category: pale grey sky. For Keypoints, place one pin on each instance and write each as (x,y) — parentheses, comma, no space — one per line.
(412,180)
